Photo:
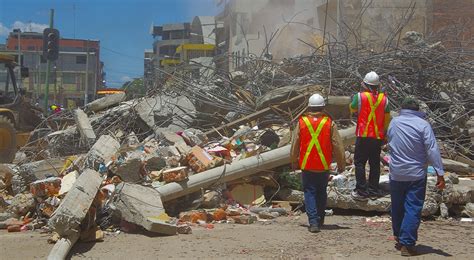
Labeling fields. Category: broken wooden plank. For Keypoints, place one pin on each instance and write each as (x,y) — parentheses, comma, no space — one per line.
(142,206)
(75,205)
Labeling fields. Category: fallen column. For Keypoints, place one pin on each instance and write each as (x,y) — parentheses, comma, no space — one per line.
(237,170)
(84,127)
(104,102)
(63,246)
(70,213)
(76,203)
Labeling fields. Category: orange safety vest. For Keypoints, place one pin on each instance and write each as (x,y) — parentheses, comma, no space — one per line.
(370,122)
(315,143)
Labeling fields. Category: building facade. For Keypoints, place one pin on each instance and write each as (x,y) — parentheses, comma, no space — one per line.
(77,71)
(168,37)
(285,28)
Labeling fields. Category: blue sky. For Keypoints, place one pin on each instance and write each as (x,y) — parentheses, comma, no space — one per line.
(122,26)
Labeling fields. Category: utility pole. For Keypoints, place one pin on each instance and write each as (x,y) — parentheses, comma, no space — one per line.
(19,57)
(86,92)
(48,66)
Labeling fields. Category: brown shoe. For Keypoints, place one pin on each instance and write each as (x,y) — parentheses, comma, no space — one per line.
(408,251)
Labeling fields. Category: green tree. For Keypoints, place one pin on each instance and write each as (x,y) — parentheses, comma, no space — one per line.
(134,88)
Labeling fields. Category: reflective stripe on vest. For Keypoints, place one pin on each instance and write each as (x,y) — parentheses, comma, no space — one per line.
(372,116)
(314,142)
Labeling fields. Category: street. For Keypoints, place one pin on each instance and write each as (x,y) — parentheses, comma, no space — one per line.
(344,237)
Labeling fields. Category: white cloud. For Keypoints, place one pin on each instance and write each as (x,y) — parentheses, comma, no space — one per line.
(126,78)
(4,30)
(24,27)
(29,27)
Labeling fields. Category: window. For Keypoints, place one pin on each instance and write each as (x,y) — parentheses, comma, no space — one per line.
(81,59)
(31,48)
(43,60)
(69,78)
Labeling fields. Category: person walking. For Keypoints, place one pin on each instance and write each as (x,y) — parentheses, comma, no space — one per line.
(315,141)
(373,116)
(412,146)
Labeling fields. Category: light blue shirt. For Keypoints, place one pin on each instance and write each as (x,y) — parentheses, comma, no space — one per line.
(412,147)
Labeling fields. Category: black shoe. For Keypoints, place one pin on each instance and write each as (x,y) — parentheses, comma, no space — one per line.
(373,195)
(398,246)
(314,228)
(408,251)
(321,223)
(358,196)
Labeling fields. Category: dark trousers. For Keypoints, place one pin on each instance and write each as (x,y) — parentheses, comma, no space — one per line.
(367,149)
(315,195)
(407,203)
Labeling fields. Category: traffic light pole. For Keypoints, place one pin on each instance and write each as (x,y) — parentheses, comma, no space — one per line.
(48,69)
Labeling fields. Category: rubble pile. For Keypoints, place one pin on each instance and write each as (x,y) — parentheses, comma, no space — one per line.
(192,158)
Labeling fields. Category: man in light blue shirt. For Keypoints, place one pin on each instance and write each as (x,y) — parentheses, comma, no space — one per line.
(412,146)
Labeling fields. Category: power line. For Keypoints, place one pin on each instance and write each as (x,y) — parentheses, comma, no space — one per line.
(121,54)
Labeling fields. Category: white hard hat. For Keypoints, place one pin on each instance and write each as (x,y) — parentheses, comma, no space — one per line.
(372,78)
(316,100)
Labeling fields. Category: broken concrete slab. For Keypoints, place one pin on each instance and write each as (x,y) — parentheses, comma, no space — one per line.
(21,204)
(129,171)
(142,206)
(84,127)
(171,137)
(76,203)
(165,113)
(101,152)
(457,167)
(30,172)
(105,102)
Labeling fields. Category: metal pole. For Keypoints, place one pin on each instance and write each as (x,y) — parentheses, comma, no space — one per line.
(48,67)
(86,91)
(19,58)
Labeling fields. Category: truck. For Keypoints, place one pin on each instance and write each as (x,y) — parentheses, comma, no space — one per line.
(18,117)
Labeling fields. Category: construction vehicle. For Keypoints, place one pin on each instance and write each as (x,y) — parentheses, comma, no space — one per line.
(17,116)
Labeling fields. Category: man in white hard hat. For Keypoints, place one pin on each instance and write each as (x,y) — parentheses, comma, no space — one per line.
(373,117)
(315,141)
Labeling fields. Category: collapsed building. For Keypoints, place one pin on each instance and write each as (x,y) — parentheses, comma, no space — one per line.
(215,148)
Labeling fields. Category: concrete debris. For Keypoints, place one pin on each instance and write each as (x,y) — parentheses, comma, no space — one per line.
(101,152)
(458,167)
(76,203)
(212,152)
(84,127)
(175,175)
(468,210)
(21,204)
(105,102)
(142,206)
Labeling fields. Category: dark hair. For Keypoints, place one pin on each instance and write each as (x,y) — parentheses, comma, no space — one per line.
(410,103)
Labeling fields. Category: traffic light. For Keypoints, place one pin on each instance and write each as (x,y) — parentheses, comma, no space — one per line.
(50,44)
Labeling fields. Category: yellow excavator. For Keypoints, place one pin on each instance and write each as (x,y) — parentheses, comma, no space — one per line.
(17,116)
